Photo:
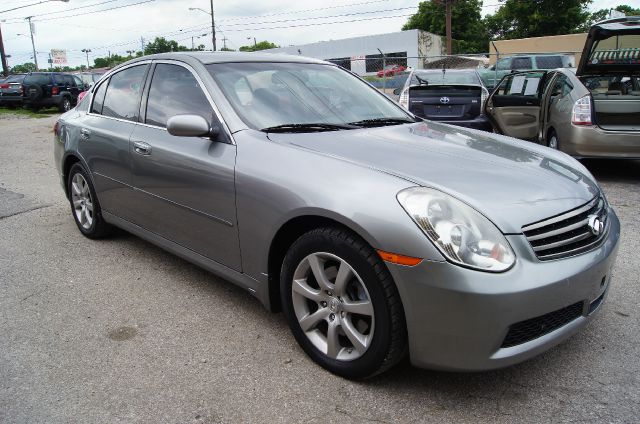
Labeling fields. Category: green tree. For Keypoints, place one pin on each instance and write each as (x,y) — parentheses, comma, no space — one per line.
(522,19)
(24,68)
(628,10)
(162,45)
(262,45)
(467,27)
(226,49)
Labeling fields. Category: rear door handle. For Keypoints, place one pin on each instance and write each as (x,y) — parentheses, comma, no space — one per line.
(141,148)
(85,134)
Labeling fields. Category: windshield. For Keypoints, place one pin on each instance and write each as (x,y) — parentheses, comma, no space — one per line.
(444,78)
(266,94)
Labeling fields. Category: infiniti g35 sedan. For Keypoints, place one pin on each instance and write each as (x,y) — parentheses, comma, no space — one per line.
(378,234)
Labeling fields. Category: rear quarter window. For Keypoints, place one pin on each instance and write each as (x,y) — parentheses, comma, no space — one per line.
(37,79)
(548,62)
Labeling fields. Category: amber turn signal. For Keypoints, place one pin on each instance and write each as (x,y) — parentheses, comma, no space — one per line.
(398,259)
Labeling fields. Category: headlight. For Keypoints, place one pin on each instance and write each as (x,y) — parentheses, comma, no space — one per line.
(460,233)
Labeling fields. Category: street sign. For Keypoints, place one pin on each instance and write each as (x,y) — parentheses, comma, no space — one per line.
(59,57)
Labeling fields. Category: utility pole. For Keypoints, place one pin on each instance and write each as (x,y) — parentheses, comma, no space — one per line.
(213,28)
(142,44)
(224,43)
(33,44)
(448,5)
(87,51)
(3,57)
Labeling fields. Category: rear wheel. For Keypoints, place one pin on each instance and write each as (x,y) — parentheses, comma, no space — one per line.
(65,105)
(552,141)
(84,204)
(341,304)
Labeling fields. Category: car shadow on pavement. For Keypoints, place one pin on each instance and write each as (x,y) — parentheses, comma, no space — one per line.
(614,170)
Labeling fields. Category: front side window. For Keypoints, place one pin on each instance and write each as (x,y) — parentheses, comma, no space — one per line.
(504,64)
(268,94)
(122,99)
(527,84)
(175,91)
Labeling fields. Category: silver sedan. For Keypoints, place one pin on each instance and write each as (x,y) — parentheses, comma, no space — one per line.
(377,233)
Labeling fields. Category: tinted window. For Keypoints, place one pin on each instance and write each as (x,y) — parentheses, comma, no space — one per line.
(521,63)
(98,98)
(175,91)
(122,99)
(549,62)
(37,79)
(78,81)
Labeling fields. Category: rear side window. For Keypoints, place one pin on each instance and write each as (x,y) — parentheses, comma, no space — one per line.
(548,62)
(521,63)
(122,99)
(37,79)
(98,98)
(175,91)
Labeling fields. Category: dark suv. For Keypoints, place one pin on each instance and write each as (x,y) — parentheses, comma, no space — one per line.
(50,89)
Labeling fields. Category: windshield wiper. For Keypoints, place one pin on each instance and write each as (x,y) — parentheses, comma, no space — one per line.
(309,127)
(379,122)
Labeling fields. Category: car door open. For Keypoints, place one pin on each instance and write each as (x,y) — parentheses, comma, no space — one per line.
(514,107)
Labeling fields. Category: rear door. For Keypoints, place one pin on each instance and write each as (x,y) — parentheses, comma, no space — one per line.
(184,186)
(514,107)
(104,137)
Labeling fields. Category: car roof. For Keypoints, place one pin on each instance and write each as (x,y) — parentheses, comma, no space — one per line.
(225,57)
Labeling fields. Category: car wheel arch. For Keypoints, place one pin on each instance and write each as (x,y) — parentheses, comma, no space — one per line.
(286,235)
(69,160)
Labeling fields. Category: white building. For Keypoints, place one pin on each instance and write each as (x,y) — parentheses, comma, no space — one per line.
(361,55)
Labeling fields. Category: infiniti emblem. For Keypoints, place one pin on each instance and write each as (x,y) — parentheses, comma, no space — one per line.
(444,100)
(595,225)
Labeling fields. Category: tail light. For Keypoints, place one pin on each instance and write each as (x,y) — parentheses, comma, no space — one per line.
(55,90)
(581,114)
(404,98)
(4,85)
(483,99)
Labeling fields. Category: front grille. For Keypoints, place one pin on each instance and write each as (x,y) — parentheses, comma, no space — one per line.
(569,233)
(533,328)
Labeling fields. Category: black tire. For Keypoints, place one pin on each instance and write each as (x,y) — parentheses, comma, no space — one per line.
(388,344)
(98,227)
(65,104)
(34,92)
(552,140)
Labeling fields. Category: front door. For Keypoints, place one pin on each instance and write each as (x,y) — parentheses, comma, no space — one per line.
(514,107)
(185,190)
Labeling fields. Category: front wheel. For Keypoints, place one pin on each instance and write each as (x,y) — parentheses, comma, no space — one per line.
(341,304)
(553,141)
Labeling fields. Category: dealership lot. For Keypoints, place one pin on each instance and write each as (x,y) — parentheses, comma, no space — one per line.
(118,330)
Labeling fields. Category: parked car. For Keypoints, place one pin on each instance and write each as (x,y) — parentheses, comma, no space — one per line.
(594,112)
(376,232)
(453,96)
(11,91)
(492,75)
(89,78)
(391,70)
(50,89)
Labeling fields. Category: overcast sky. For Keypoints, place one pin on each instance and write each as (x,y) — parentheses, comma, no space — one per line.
(283,22)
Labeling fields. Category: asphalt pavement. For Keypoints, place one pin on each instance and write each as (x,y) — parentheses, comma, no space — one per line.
(120,331)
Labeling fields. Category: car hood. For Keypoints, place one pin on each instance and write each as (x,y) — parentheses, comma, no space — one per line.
(512,182)
(615,56)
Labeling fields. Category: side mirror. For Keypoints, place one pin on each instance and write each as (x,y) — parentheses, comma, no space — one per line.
(397,91)
(190,126)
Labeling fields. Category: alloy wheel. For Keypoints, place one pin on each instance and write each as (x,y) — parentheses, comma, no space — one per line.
(82,202)
(332,306)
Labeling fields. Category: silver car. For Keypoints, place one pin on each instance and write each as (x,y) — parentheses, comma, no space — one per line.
(377,233)
(591,111)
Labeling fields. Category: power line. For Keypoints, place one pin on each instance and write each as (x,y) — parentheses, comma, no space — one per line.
(321,23)
(91,12)
(73,8)
(307,10)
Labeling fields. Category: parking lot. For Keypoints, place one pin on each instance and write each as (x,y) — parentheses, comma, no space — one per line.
(121,331)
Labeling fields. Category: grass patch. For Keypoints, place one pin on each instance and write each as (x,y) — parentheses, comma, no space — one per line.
(43,113)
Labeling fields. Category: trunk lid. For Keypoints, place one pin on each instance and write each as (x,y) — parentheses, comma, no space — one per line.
(445,102)
(612,47)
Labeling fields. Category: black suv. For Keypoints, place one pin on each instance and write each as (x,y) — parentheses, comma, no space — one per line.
(51,89)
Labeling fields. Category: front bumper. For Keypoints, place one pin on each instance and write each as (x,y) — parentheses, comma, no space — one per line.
(458,318)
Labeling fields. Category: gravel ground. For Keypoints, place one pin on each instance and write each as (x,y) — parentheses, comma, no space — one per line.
(120,331)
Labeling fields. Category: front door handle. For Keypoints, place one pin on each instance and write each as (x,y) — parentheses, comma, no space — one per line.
(141,148)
